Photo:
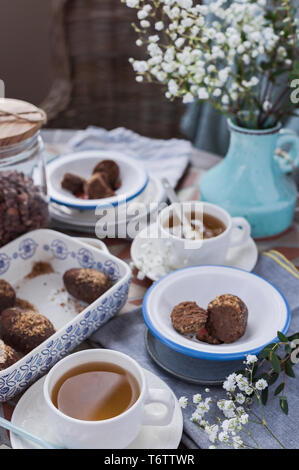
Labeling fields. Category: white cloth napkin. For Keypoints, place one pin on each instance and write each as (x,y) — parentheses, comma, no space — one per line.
(161,158)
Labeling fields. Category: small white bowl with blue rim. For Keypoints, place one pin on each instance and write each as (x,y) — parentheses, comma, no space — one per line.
(133,177)
(268,310)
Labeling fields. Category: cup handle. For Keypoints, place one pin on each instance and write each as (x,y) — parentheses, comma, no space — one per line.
(240,231)
(159,419)
(288,160)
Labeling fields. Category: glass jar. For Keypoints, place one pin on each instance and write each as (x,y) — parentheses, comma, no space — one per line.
(23,188)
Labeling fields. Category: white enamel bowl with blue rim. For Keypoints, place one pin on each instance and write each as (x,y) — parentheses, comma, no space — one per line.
(46,293)
(268,311)
(133,178)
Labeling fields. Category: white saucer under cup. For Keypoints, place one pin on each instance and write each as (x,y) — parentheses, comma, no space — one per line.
(30,415)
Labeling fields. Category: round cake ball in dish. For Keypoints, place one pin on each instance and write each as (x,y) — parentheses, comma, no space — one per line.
(86,284)
(132,175)
(111,169)
(24,329)
(268,311)
(227,318)
(97,187)
(8,356)
(188,317)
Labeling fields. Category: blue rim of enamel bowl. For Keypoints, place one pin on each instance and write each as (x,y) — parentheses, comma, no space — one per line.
(103,205)
(202,354)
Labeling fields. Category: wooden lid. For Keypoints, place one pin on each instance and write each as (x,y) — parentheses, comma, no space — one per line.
(19,120)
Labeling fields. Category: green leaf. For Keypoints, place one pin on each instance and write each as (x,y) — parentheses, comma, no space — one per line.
(279,389)
(275,362)
(294,336)
(289,369)
(284,404)
(264,396)
(282,337)
(267,350)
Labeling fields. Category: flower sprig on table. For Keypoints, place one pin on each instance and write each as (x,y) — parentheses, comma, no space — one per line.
(243,388)
(231,54)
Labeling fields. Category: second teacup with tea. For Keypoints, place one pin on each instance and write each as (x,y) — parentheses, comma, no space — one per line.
(200,232)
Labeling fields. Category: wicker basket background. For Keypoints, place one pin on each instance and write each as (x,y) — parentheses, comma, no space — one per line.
(92,41)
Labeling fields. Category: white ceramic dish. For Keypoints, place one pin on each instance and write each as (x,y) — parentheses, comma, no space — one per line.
(74,219)
(145,247)
(268,311)
(46,293)
(133,177)
(30,413)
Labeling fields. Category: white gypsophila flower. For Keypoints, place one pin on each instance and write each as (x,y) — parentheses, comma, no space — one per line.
(207,390)
(153,38)
(172,87)
(202,94)
(159,26)
(139,42)
(145,24)
(140,66)
(142,14)
(251,359)
(188,98)
(132,3)
(242,382)
(139,78)
(179,42)
(237,442)
(240,398)
(212,447)
(261,384)
(223,436)
(197,398)
(183,402)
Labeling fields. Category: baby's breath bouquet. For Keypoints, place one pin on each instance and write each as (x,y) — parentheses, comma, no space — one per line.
(240,55)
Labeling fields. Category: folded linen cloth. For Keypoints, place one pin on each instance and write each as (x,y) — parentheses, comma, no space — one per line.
(161,158)
(126,332)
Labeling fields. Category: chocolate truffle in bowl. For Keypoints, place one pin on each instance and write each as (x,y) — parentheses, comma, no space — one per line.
(188,317)
(227,318)
(111,169)
(97,187)
(8,356)
(73,183)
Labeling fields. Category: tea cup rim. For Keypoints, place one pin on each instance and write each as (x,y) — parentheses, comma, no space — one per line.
(204,240)
(83,422)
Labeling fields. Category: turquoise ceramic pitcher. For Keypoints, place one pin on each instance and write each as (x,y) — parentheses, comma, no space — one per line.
(253,182)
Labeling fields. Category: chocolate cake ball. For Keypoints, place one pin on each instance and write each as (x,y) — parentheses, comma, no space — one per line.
(7,295)
(8,356)
(111,169)
(227,318)
(73,183)
(24,330)
(86,284)
(97,187)
(188,317)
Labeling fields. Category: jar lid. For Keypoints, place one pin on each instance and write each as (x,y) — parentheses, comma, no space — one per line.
(19,120)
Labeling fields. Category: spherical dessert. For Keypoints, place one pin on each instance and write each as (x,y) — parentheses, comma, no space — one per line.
(7,295)
(97,187)
(188,317)
(73,183)
(111,169)
(8,356)
(24,330)
(86,284)
(227,318)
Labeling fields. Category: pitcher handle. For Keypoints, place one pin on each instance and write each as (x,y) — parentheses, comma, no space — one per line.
(288,160)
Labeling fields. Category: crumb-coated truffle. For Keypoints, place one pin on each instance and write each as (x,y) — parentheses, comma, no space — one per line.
(24,330)
(97,187)
(227,318)
(73,183)
(111,169)
(86,284)
(203,335)
(188,317)
(8,356)
(7,295)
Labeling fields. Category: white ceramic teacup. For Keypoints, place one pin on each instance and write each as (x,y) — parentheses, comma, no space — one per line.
(114,433)
(208,251)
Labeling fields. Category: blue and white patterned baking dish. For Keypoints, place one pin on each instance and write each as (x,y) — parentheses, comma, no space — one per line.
(47,294)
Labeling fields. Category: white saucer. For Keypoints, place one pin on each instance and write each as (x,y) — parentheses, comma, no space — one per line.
(143,250)
(85,221)
(30,414)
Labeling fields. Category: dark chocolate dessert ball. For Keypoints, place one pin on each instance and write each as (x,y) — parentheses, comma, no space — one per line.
(8,356)
(24,330)
(188,317)
(86,284)
(227,318)
(97,187)
(73,183)
(7,295)
(111,169)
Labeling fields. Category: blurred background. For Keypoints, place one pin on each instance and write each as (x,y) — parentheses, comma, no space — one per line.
(71,57)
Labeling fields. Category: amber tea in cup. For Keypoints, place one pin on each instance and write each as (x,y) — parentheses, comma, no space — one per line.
(211,225)
(95,391)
